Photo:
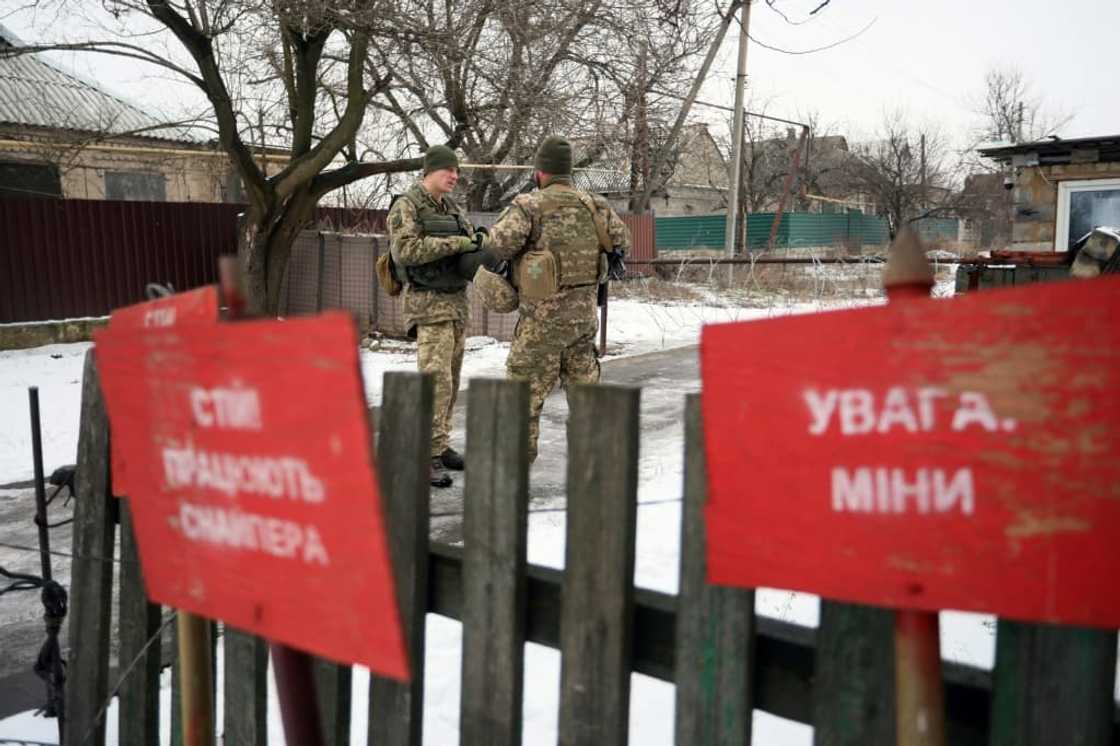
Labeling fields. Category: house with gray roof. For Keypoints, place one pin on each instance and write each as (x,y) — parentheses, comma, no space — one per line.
(62,135)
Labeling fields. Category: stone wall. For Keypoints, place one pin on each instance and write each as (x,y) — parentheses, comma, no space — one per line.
(1034,208)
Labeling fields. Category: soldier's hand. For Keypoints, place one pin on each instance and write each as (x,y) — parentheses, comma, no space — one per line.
(467,243)
(480,235)
(483,230)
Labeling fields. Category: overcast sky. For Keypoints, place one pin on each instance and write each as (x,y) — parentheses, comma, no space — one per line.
(926,58)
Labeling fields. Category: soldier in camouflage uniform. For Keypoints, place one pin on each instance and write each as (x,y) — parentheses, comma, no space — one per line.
(427,233)
(555,338)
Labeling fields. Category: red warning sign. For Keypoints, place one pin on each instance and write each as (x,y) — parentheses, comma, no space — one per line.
(199,306)
(934,454)
(251,481)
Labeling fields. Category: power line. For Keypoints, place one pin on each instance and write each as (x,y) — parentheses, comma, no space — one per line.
(833,45)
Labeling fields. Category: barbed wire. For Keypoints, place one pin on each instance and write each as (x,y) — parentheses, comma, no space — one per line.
(67,555)
(157,635)
(559,509)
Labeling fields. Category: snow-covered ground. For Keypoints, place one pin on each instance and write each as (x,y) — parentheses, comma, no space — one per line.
(634,328)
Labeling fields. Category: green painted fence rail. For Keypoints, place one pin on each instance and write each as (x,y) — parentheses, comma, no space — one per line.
(797,230)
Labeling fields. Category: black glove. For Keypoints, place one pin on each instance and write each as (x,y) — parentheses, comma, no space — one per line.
(482,229)
(492,263)
(467,263)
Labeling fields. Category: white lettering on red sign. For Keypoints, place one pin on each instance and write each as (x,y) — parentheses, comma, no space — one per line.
(237,529)
(157,318)
(885,490)
(859,412)
(229,408)
(893,491)
(232,474)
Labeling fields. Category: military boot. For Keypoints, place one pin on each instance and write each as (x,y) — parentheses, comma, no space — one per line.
(451,459)
(438,477)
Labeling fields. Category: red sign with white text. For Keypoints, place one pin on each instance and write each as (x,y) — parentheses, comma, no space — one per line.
(199,306)
(251,481)
(932,454)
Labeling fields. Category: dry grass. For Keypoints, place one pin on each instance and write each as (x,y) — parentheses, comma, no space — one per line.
(759,285)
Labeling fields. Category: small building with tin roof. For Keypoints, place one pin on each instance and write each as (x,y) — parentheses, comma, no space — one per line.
(1061,189)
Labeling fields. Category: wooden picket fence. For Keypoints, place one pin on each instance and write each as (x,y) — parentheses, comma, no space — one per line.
(1051,685)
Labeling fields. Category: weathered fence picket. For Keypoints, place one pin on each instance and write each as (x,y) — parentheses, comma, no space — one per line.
(333,691)
(1052,684)
(596,617)
(91,583)
(396,710)
(139,622)
(855,665)
(715,626)
(495,537)
(245,717)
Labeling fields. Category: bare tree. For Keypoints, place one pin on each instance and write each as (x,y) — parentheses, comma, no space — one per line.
(509,73)
(242,51)
(1011,112)
(908,171)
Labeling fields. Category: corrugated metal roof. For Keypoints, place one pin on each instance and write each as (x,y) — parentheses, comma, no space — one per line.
(1107,145)
(37,93)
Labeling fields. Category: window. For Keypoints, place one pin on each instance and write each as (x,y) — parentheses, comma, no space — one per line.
(29,180)
(1083,205)
(135,187)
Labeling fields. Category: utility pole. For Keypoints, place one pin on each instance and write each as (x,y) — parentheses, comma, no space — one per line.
(659,158)
(925,193)
(737,140)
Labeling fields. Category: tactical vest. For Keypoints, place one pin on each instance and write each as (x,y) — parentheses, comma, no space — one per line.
(441,275)
(565,242)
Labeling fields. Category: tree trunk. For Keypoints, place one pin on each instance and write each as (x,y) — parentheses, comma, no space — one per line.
(265,245)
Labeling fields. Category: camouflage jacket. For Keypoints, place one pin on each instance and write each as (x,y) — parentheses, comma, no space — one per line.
(410,247)
(520,224)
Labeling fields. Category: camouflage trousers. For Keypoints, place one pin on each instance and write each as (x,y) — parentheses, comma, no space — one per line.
(439,351)
(544,355)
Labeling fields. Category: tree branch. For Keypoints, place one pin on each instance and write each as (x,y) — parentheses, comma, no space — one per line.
(113,48)
(303,169)
(201,49)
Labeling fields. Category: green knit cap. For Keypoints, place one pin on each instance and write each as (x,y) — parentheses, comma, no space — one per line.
(554,156)
(439,157)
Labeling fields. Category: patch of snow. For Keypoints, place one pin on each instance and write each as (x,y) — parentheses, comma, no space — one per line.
(57,371)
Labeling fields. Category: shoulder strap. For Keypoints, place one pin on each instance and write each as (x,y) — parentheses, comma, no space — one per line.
(600,227)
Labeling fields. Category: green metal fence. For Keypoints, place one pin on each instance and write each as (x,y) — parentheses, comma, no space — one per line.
(797,230)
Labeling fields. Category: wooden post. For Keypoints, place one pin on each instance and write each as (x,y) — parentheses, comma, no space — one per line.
(920,708)
(396,710)
(91,584)
(853,684)
(495,532)
(918,687)
(333,690)
(596,622)
(795,164)
(245,688)
(139,621)
(196,680)
(295,683)
(715,626)
(1053,685)
(295,688)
